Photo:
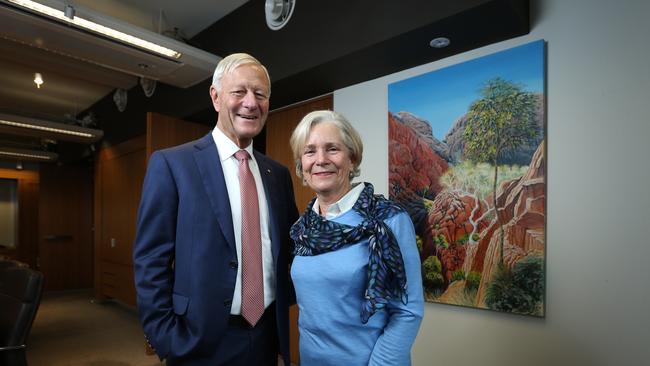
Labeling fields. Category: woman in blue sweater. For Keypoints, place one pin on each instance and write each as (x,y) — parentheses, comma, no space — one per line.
(356,269)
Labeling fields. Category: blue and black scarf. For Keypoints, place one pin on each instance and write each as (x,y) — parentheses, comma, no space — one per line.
(386,280)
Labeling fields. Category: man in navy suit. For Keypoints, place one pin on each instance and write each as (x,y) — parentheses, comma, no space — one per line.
(188,249)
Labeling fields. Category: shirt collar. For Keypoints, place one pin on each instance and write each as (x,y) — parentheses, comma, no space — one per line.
(343,205)
(226,147)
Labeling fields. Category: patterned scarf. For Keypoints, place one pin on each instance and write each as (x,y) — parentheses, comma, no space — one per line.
(386,278)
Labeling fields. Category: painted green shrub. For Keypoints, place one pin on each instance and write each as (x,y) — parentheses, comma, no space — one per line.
(458,275)
(520,290)
(432,272)
(473,280)
(441,241)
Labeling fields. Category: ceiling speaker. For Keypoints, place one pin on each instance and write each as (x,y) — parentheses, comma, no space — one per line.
(148,86)
(119,97)
(278,12)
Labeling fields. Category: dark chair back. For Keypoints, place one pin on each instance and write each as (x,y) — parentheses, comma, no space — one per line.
(20,295)
(6,263)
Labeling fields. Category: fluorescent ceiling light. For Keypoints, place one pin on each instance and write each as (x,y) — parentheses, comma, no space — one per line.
(44,128)
(22,154)
(97,28)
(40,128)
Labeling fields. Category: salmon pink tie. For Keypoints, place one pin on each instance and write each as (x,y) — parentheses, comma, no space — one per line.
(252,287)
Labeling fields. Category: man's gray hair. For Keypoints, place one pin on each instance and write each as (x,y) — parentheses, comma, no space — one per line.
(231,62)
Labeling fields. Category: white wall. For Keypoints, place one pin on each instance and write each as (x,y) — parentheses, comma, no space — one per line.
(598,237)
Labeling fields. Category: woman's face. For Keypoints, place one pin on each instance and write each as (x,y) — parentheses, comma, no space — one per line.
(326,162)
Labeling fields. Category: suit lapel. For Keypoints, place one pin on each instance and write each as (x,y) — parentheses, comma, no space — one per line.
(269,180)
(209,164)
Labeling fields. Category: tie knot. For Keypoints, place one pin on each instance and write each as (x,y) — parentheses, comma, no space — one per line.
(242,155)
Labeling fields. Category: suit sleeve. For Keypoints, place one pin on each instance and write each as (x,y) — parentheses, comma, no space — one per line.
(394,346)
(153,254)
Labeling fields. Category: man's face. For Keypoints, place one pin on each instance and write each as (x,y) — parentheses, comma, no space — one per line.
(242,103)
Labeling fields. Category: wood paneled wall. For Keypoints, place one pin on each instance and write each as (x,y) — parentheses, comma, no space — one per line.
(164,131)
(55,223)
(119,174)
(279,127)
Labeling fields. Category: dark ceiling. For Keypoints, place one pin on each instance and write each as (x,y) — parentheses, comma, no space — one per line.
(325,46)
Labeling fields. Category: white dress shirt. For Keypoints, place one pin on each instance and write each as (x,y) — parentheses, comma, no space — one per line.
(230,165)
(343,205)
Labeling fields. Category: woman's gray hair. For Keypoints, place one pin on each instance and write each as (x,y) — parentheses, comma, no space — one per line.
(349,135)
(231,62)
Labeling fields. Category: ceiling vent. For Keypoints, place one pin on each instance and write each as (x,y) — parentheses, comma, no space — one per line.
(184,68)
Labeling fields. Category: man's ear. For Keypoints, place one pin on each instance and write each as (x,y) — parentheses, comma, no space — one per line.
(214,96)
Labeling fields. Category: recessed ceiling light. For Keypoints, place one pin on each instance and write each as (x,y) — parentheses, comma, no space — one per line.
(440,42)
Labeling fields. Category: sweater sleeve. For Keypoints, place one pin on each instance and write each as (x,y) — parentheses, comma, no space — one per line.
(394,346)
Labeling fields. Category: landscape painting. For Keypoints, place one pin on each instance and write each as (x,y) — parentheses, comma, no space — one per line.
(467,160)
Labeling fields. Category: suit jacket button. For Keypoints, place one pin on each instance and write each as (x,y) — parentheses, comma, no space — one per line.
(227,303)
(233,264)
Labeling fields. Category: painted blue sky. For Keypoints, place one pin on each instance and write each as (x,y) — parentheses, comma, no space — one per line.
(442,96)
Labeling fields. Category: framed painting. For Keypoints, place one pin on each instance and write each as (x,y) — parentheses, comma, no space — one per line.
(467,160)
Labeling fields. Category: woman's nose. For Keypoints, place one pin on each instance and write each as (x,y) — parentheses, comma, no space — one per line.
(321,157)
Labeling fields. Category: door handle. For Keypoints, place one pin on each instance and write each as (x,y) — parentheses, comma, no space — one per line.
(57,237)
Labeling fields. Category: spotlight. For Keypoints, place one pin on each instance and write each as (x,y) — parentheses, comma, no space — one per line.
(38,79)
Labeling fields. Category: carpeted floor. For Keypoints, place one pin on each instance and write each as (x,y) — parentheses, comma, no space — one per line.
(72,330)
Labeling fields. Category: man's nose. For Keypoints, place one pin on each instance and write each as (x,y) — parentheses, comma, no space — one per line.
(249,100)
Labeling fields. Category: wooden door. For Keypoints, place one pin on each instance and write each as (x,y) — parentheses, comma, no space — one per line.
(279,127)
(65,245)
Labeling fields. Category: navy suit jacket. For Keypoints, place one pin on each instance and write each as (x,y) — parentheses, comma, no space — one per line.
(184,255)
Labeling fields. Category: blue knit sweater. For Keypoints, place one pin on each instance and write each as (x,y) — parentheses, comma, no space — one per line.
(329,290)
